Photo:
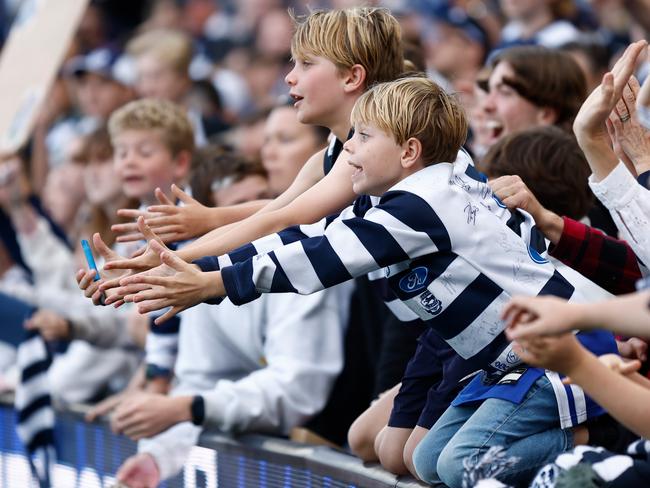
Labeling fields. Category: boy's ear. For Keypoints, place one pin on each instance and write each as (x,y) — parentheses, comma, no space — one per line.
(411,152)
(354,79)
(547,116)
(183,162)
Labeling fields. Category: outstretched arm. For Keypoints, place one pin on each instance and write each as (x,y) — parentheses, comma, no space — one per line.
(623,397)
(534,316)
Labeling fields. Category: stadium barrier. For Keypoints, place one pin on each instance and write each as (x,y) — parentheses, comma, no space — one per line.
(89,455)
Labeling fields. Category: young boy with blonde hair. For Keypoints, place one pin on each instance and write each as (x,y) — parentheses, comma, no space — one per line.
(449,257)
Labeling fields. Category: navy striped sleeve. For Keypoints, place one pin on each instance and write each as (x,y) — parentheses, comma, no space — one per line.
(238,282)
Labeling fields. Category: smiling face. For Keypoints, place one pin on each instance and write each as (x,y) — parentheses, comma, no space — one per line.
(316,85)
(506,111)
(143,162)
(376,159)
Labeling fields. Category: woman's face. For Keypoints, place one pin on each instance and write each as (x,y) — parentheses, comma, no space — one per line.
(287,146)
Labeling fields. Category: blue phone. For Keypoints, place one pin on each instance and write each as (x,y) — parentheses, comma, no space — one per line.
(89,258)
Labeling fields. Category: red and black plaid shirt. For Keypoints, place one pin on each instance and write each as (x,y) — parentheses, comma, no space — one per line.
(608,262)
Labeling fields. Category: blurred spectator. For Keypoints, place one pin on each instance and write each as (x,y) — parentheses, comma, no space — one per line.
(538,22)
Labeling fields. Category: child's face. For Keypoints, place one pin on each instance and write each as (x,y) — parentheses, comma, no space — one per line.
(143,162)
(99,96)
(376,159)
(100,181)
(287,145)
(316,85)
(157,80)
(506,111)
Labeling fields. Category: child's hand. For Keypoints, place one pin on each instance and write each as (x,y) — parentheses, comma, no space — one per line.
(170,222)
(179,223)
(589,124)
(138,471)
(99,291)
(633,348)
(514,193)
(50,324)
(147,260)
(185,287)
(563,353)
(527,317)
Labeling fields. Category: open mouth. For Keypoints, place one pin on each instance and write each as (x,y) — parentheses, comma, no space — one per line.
(357,169)
(296,98)
(132,179)
(495,128)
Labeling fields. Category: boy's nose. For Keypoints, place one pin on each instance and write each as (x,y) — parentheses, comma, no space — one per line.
(348,146)
(290,79)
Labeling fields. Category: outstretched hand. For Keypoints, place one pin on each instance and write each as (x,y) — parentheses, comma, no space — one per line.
(563,353)
(528,317)
(146,261)
(170,222)
(99,291)
(178,285)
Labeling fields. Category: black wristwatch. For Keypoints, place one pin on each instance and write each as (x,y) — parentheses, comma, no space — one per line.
(197,410)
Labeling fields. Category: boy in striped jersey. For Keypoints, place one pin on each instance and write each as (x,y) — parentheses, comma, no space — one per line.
(435,229)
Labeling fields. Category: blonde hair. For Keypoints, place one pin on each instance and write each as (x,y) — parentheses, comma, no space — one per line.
(161,115)
(171,47)
(370,37)
(415,107)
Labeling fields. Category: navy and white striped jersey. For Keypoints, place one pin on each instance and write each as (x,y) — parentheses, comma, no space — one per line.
(449,258)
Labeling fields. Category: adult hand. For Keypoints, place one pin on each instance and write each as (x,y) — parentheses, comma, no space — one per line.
(527,317)
(185,286)
(147,414)
(589,124)
(99,291)
(139,471)
(631,141)
(51,325)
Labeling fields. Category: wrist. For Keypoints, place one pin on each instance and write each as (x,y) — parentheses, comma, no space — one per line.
(183,408)
(578,364)
(213,285)
(550,224)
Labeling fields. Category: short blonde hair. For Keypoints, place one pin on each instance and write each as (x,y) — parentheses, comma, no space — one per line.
(370,37)
(172,47)
(416,107)
(160,115)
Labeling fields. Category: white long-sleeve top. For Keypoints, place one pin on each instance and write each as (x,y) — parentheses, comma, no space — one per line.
(267,366)
(629,204)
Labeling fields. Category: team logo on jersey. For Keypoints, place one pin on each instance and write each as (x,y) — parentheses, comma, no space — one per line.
(415,280)
(430,303)
(536,257)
